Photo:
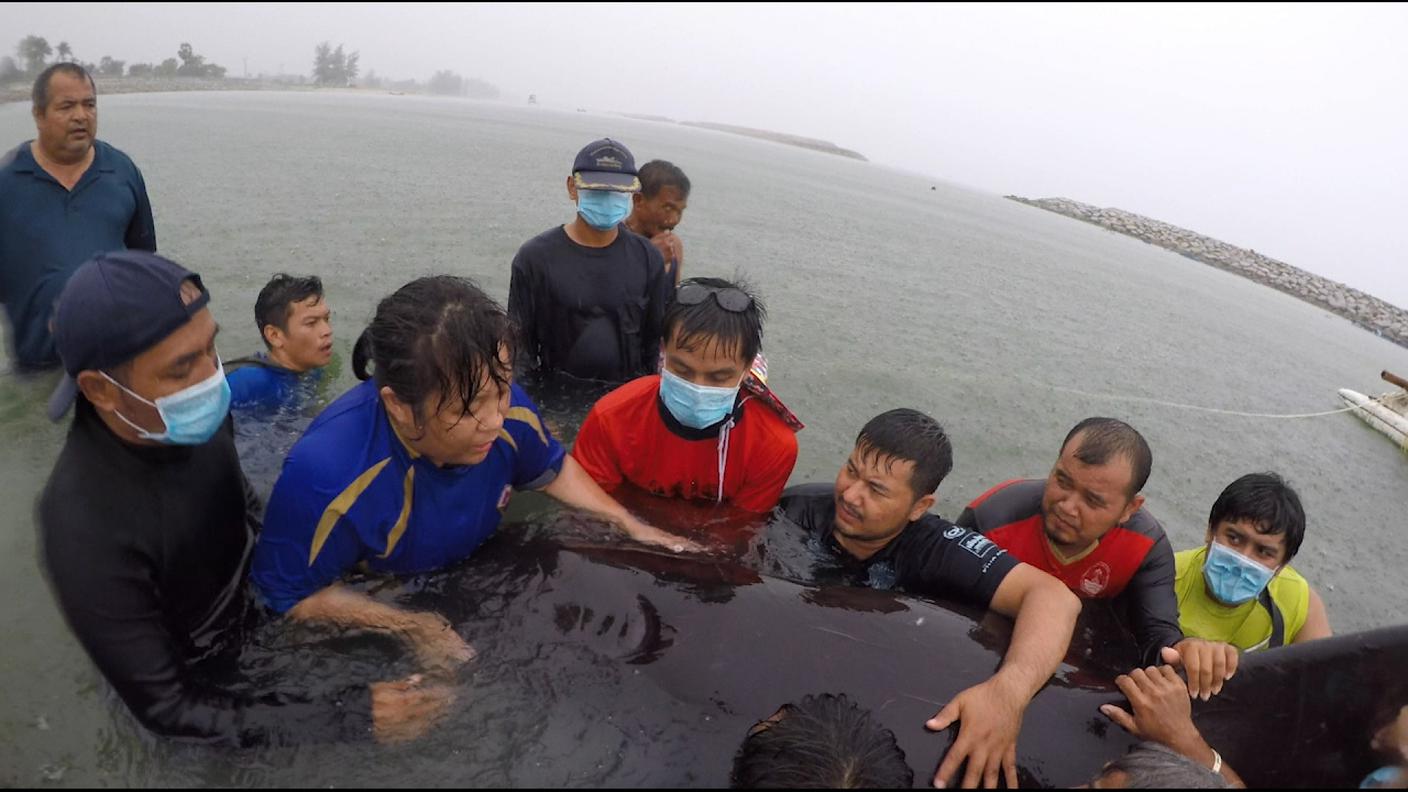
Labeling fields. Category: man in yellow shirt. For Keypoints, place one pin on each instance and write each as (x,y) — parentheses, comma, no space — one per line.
(1239,589)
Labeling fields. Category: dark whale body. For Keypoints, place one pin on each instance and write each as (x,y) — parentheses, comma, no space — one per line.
(706,648)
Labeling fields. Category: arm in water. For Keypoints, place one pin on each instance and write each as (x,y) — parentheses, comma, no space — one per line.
(575,488)
(436,644)
(126,634)
(1163,713)
(990,714)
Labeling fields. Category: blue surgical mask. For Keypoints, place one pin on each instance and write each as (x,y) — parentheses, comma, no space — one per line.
(1233,578)
(1383,777)
(603,209)
(695,406)
(192,416)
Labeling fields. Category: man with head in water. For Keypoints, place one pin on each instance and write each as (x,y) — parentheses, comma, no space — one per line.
(658,208)
(821,742)
(588,297)
(147,522)
(827,741)
(63,197)
(694,431)
(875,521)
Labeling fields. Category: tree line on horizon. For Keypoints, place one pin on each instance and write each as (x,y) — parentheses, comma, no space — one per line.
(332,66)
(34,52)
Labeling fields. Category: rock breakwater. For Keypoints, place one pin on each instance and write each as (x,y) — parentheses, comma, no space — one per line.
(1365,310)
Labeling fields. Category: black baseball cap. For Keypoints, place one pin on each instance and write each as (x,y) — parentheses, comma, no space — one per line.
(115,307)
(605,165)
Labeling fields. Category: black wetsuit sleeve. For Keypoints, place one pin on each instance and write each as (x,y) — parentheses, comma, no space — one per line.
(1152,605)
(141,230)
(938,559)
(117,617)
(659,288)
(522,310)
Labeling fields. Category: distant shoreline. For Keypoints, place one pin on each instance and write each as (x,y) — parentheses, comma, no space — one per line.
(16,92)
(108,86)
(1369,312)
(824,146)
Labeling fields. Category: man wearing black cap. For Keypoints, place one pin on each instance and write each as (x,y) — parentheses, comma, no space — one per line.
(589,296)
(147,522)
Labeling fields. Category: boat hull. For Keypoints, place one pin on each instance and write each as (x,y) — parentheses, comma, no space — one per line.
(1381,418)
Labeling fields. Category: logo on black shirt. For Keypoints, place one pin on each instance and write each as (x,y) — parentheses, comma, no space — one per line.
(978,545)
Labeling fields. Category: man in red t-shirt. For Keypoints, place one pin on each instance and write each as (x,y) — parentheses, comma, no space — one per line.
(705,428)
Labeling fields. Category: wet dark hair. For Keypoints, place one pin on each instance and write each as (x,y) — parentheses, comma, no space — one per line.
(276,299)
(913,436)
(435,335)
(1105,438)
(710,323)
(1266,501)
(1152,766)
(658,174)
(823,741)
(40,94)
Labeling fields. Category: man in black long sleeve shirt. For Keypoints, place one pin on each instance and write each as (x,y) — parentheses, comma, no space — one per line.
(147,522)
(589,296)
(147,550)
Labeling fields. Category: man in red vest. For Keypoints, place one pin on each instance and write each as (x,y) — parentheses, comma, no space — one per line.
(1086,525)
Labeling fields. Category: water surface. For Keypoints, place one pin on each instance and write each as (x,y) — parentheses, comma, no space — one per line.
(882,292)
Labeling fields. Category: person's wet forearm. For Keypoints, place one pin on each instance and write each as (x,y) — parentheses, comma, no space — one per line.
(342,607)
(1044,624)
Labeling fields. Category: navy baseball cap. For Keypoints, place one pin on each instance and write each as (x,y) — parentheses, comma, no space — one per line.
(115,307)
(605,165)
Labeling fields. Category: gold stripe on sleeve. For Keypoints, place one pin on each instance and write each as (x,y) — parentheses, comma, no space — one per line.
(340,506)
(400,527)
(525,415)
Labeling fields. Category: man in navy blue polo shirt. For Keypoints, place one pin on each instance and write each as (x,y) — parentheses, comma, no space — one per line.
(64,197)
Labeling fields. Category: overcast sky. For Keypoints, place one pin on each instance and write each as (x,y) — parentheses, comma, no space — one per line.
(1276,127)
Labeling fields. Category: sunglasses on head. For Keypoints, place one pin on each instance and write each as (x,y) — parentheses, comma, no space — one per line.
(729,298)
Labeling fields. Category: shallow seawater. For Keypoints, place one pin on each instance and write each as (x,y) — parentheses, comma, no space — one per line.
(882,292)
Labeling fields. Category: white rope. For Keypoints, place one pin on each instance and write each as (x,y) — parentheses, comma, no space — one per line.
(1144,400)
